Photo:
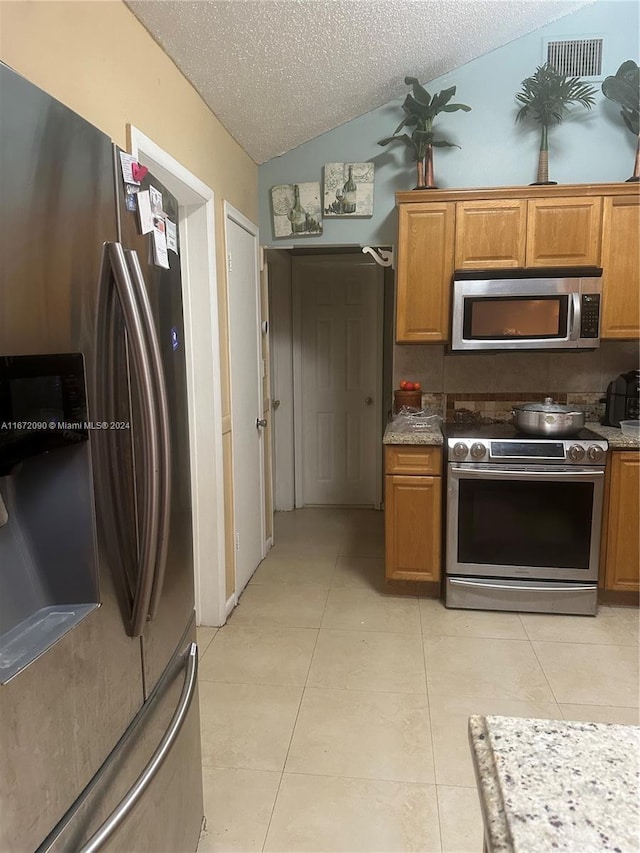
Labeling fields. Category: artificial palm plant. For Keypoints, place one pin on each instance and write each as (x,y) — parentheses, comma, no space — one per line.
(546,97)
(420,110)
(624,89)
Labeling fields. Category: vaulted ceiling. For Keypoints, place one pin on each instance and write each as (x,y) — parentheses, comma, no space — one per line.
(280,72)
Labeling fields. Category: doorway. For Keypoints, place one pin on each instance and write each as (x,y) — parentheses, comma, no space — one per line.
(248,423)
(327,366)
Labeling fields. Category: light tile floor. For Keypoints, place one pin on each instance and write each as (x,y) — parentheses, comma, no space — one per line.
(334,718)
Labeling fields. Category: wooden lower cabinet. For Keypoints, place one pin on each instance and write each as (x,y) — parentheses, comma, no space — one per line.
(621,523)
(413,516)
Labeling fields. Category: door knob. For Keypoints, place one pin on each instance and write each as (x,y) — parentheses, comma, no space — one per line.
(261,422)
(275,404)
(368,401)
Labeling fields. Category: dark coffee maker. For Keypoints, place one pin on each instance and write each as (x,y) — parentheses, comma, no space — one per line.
(623,399)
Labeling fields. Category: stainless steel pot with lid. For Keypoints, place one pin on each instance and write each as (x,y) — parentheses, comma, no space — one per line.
(547,418)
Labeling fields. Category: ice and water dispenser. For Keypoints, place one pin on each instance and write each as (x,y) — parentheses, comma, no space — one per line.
(48,560)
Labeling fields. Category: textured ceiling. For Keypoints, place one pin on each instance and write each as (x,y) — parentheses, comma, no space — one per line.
(279,72)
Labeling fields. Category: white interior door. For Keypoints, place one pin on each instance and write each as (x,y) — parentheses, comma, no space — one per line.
(246,394)
(337,379)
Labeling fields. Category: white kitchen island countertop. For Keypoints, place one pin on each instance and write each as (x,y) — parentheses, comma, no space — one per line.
(548,785)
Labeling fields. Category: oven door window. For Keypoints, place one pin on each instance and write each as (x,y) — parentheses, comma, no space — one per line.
(514,317)
(532,523)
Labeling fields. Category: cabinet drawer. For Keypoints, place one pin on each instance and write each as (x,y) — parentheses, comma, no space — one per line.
(412,459)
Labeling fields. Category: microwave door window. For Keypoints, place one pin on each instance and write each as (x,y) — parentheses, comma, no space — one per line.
(515,317)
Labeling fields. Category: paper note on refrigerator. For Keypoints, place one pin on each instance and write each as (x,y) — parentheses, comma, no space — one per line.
(172,236)
(160,253)
(130,193)
(144,212)
(156,201)
(127,161)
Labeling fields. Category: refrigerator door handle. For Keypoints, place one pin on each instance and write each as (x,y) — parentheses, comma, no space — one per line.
(161,421)
(148,548)
(143,781)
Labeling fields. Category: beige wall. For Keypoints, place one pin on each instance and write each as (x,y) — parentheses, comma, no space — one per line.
(96,58)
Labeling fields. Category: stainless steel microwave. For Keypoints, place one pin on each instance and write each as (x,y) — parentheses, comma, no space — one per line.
(526,309)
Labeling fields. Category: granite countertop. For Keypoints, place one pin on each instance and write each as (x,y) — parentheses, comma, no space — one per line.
(408,429)
(614,435)
(556,785)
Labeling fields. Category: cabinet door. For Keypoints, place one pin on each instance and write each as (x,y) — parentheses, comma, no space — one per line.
(425,268)
(412,527)
(490,234)
(621,269)
(622,525)
(564,232)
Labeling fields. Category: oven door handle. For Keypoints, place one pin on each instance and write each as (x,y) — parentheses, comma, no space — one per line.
(506,474)
(531,587)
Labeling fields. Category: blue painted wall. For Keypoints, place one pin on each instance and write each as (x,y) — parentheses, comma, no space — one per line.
(587,147)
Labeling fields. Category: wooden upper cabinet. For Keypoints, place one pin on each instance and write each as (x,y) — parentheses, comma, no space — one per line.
(425,268)
(490,234)
(564,232)
(579,225)
(621,524)
(621,265)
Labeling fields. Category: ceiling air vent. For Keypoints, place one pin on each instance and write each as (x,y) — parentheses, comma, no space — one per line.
(575,57)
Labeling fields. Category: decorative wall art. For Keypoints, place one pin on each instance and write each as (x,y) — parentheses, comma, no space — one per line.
(348,189)
(297,211)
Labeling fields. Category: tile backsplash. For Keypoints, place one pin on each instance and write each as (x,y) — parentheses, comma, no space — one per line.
(484,408)
(485,386)
(498,373)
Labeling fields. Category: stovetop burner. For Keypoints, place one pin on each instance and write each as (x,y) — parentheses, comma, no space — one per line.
(499,431)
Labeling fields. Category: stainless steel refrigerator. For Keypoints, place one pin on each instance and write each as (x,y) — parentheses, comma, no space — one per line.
(99,719)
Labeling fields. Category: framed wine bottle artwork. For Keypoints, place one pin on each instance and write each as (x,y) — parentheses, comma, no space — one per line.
(348,189)
(296,210)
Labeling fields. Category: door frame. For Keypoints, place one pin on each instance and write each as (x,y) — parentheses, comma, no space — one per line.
(296,321)
(202,351)
(231,214)
(281,362)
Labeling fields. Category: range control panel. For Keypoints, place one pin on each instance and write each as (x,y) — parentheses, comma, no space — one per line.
(569,451)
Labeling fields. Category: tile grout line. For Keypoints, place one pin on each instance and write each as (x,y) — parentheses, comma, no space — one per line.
(433,746)
(295,722)
(546,678)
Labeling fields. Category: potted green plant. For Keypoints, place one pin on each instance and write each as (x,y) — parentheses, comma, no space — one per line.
(545,98)
(624,89)
(420,110)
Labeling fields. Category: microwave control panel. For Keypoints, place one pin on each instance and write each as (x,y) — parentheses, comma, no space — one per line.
(590,315)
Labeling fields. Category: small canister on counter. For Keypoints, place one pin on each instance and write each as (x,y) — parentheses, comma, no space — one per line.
(409,399)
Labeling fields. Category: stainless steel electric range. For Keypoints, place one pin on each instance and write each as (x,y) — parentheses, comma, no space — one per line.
(523,519)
